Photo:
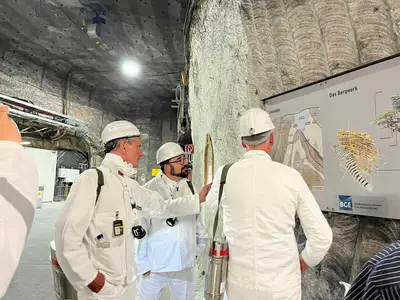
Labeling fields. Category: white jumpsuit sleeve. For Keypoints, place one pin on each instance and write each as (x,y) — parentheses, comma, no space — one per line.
(18,193)
(315,226)
(153,204)
(142,258)
(70,228)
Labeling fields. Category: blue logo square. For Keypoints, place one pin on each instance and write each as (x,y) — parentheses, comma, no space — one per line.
(345,203)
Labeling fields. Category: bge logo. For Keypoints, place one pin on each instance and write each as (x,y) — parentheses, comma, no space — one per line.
(345,205)
(345,202)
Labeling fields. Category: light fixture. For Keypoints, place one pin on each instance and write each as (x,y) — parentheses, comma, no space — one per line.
(130,68)
(25,143)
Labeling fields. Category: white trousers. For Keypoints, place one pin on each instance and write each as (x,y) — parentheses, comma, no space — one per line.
(181,283)
(110,292)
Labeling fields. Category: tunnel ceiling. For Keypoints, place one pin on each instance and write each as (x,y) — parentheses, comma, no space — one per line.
(53,34)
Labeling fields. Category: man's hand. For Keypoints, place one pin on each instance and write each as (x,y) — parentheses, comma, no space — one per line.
(303,266)
(8,129)
(204,192)
(97,284)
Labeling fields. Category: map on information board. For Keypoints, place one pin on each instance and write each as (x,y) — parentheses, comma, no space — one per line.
(343,135)
(298,144)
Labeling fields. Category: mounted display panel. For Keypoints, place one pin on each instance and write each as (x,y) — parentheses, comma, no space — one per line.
(343,135)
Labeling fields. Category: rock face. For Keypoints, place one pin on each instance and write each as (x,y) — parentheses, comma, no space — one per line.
(30,81)
(244,51)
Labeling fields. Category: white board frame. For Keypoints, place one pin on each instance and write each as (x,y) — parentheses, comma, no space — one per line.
(380,204)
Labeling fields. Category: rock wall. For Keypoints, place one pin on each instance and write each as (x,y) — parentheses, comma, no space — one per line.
(246,50)
(21,78)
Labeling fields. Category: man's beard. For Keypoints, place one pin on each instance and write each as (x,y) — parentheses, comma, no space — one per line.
(184,172)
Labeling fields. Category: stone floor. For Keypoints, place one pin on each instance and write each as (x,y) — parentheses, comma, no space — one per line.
(33,279)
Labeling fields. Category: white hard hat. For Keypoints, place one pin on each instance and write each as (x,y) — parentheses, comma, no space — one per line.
(117,130)
(255,121)
(168,151)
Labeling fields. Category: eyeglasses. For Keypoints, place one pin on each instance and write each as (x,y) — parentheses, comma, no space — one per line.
(180,160)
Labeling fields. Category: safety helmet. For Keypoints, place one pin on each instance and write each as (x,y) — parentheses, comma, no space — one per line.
(168,151)
(255,121)
(117,130)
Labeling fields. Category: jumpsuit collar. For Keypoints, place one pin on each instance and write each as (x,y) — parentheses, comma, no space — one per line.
(118,166)
(257,153)
(168,180)
(173,186)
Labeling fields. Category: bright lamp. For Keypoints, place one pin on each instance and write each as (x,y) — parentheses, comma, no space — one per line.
(130,68)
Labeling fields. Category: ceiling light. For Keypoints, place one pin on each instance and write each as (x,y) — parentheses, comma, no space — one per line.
(130,68)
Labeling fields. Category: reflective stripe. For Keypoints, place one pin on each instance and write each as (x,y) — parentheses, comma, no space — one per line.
(55,263)
(19,201)
(221,253)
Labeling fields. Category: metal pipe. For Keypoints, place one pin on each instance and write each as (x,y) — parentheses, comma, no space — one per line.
(16,112)
(39,109)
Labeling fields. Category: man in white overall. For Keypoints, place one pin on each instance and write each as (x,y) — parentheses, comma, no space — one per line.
(95,230)
(167,255)
(260,201)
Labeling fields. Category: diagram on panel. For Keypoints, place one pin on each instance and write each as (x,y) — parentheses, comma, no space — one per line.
(387,116)
(343,136)
(358,156)
(298,144)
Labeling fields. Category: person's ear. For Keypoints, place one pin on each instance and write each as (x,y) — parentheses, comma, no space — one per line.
(243,144)
(271,138)
(123,145)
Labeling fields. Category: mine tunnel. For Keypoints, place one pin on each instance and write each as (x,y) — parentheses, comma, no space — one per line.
(117,118)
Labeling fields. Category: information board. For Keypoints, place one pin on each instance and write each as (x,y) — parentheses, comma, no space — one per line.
(343,135)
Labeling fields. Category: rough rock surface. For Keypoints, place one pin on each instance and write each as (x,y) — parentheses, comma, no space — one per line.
(242,51)
(23,79)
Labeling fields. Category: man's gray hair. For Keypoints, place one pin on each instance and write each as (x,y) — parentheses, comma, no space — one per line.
(114,144)
(258,139)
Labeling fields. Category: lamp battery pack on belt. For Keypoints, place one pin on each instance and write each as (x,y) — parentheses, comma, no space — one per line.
(138,231)
(218,254)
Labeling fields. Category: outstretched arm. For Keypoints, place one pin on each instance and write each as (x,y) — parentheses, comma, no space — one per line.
(153,204)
